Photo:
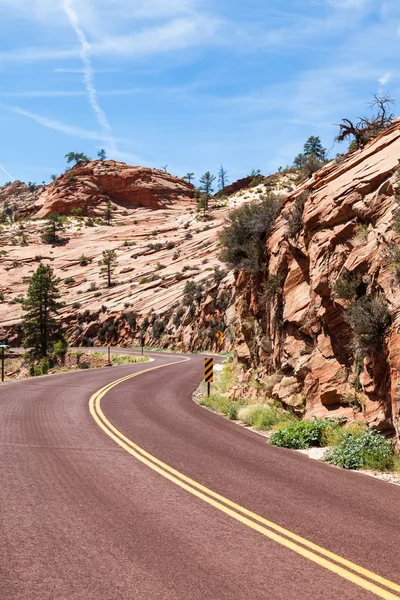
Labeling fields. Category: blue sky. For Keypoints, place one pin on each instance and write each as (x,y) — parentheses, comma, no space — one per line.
(191,84)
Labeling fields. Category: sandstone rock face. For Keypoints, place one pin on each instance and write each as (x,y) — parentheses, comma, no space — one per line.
(347,225)
(88,185)
(20,198)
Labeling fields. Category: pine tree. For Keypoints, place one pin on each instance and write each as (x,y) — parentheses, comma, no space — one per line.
(108,213)
(222,178)
(108,264)
(53,225)
(39,324)
(77,157)
(206,182)
(102,155)
(313,147)
(188,177)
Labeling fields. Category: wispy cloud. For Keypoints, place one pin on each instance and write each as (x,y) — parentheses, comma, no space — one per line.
(58,126)
(384,80)
(6,172)
(41,94)
(88,74)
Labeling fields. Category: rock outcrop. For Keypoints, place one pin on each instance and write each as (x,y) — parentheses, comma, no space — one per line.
(87,185)
(301,332)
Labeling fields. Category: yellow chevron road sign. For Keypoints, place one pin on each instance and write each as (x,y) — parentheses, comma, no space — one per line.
(208,369)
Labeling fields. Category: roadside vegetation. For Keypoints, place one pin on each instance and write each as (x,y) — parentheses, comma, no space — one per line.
(261,415)
(353,446)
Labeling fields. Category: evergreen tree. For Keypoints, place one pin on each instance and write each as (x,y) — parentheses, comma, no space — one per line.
(108,264)
(108,213)
(299,161)
(206,188)
(102,155)
(222,178)
(188,177)
(313,147)
(77,157)
(39,325)
(53,225)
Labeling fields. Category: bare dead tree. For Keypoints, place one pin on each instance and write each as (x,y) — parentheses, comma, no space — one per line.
(367,128)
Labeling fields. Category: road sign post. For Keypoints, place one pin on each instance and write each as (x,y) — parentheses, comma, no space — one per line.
(3,347)
(208,372)
(109,355)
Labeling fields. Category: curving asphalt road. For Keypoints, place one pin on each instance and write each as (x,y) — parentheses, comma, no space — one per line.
(88,511)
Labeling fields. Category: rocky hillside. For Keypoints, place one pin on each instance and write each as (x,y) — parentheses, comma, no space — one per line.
(161,243)
(317,330)
(325,340)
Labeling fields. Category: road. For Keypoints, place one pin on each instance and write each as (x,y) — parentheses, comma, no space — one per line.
(137,493)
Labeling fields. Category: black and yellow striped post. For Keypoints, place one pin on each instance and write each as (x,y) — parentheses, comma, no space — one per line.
(208,372)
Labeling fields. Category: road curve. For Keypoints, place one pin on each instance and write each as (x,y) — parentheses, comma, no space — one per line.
(84,519)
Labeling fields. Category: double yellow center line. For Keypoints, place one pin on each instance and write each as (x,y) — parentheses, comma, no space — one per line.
(372,582)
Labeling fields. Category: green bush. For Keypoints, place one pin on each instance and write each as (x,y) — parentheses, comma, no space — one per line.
(303,434)
(361,449)
(294,217)
(369,319)
(244,236)
(44,365)
(264,417)
(348,286)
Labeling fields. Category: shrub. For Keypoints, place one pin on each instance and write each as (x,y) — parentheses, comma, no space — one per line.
(294,217)
(361,449)
(303,434)
(97,295)
(368,319)
(156,246)
(131,319)
(273,285)
(44,365)
(68,280)
(83,261)
(393,257)
(158,329)
(218,274)
(244,236)
(264,417)
(170,245)
(349,286)
(178,316)
(76,305)
(60,347)
(191,292)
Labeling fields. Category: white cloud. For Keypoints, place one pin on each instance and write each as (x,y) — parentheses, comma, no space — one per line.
(6,172)
(385,78)
(58,126)
(88,75)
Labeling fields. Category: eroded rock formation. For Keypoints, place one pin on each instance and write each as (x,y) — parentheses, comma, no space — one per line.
(87,185)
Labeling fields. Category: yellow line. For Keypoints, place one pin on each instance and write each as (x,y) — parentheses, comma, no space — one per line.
(235,510)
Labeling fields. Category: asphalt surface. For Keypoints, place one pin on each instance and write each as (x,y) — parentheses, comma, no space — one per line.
(81,518)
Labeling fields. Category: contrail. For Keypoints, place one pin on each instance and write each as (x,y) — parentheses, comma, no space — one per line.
(6,172)
(88,74)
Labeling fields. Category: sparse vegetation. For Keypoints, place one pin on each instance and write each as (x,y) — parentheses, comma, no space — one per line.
(108,264)
(244,236)
(349,285)
(54,224)
(361,448)
(294,216)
